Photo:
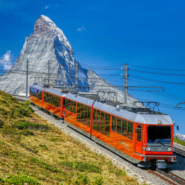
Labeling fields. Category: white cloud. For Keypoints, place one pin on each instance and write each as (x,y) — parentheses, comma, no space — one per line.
(46,7)
(81,29)
(6,60)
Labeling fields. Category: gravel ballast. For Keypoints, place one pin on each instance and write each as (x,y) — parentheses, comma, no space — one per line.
(142,175)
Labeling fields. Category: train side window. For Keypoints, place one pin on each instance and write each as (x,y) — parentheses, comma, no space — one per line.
(139,133)
(114,124)
(107,125)
(94,119)
(78,112)
(102,130)
(82,114)
(74,107)
(124,127)
(130,130)
(98,120)
(64,102)
(88,116)
(85,115)
(67,104)
(119,125)
(71,106)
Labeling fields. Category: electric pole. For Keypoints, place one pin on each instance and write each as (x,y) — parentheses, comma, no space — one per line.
(27,79)
(48,72)
(76,76)
(125,82)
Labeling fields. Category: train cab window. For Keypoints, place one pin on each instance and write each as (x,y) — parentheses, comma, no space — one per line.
(67,103)
(119,125)
(98,120)
(71,107)
(114,124)
(130,130)
(94,120)
(139,133)
(102,127)
(159,134)
(107,125)
(124,127)
(89,116)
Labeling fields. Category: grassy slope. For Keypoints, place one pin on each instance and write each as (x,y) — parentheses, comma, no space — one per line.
(176,140)
(36,152)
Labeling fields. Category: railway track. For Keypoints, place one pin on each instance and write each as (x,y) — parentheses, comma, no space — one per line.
(169,177)
(179,152)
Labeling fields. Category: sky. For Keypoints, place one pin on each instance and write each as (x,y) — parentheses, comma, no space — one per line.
(149,36)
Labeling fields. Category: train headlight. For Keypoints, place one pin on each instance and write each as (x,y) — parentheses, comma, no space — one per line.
(147,149)
(169,149)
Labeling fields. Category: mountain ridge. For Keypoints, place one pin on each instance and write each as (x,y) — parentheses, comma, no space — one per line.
(48,43)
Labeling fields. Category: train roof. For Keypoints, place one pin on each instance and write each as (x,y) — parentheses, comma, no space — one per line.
(142,117)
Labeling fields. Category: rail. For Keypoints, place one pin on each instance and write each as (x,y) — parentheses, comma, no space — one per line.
(179,152)
(168,177)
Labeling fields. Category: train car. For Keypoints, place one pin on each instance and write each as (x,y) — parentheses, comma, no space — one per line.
(141,136)
(49,99)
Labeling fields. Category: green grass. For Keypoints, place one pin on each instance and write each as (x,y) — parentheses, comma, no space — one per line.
(34,151)
(19,179)
(176,140)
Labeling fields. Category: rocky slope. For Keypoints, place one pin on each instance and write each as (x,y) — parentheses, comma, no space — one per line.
(48,43)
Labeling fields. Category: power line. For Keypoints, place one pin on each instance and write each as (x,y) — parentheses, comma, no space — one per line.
(157,73)
(156,80)
(157,68)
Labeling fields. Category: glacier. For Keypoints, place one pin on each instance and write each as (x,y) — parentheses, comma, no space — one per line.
(48,43)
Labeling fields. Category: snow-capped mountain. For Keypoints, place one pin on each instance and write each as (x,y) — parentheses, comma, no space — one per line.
(48,43)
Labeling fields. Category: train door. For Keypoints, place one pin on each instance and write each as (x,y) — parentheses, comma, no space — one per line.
(138,139)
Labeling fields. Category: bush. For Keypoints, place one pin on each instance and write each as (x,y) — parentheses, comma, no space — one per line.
(44,146)
(81,179)
(81,166)
(20,179)
(27,133)
(28,125)
(23,111)
(98,180)
(1,123)
(44,165)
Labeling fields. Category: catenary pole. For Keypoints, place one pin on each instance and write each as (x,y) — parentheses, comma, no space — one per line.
(76,76)
(48,72)
(27,79)
(125,82)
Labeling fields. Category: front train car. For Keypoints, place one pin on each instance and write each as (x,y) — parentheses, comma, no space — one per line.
(154,140)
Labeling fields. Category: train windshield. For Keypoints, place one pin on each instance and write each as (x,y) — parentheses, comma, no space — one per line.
(159,134)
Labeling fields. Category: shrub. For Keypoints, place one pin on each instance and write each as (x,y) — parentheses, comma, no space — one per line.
(98,180)
(81,179)
(20,179)
(27,133)
(28,125)
(23,111)
(1,123)
(44,146)
(81,166)
(44,165)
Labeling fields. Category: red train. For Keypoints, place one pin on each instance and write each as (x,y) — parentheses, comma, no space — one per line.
(141,136)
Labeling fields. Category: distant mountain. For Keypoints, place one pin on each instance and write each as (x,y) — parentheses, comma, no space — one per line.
(48,43)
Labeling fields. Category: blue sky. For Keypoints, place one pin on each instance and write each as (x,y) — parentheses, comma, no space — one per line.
(108,33)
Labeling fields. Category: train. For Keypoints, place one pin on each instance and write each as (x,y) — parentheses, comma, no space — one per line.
(137,134)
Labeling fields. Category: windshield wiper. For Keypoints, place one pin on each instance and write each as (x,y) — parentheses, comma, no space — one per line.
(160,143)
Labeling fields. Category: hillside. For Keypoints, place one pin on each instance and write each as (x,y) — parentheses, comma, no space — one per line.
(34,151)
